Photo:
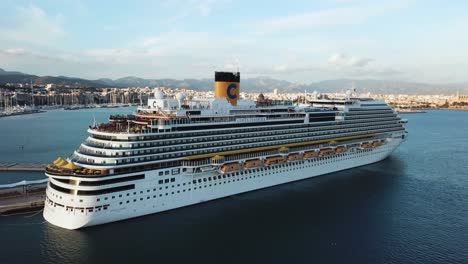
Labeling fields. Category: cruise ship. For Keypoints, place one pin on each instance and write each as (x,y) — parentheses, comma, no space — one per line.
(178,151)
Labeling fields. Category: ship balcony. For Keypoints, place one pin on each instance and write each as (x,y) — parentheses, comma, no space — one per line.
(120,128)
(70,169)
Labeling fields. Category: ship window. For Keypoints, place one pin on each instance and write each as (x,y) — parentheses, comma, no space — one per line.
(166,180)
(172,179)
(161,173)
(161,182)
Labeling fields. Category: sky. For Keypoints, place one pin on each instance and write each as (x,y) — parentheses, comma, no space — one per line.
(299,41)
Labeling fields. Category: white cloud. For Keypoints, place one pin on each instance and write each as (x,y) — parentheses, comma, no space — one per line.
(343,60)
(20,53)
(356,66)
(33,26)
(14,51)
(357,14)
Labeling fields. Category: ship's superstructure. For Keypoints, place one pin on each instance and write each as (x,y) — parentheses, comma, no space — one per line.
(178,151)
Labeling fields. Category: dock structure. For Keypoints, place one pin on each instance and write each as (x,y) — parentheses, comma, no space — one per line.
(22,196)
(22,166)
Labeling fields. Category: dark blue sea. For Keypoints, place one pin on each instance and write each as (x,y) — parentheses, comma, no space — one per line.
(410,208)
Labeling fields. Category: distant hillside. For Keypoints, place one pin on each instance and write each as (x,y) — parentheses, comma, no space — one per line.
(18,77)
(385,87)
(3,72)
(258,84)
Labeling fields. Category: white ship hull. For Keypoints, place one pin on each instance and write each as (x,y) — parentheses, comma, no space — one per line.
(149,198)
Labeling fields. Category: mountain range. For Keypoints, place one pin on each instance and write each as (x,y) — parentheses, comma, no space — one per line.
(257,84)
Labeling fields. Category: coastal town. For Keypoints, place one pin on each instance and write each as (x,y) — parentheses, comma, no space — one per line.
(19,98)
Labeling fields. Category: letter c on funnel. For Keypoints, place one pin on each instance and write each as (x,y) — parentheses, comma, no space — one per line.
(230,93)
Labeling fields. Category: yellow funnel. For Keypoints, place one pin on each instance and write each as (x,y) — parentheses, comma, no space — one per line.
(227,85)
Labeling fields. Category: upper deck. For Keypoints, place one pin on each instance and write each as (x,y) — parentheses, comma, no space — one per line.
(163,114)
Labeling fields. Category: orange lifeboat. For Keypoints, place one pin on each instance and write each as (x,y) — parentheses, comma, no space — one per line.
(341,149)
(294,156)
(274,160)
(326,152)
(248,164)
(230,167)
(366,145)
(310,154)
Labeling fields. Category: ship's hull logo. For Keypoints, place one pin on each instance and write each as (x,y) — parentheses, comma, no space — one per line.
(231,91)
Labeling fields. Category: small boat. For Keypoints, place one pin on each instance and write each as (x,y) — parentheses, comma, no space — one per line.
(377,143)
(230,167)
(365,145)
(326,152)
(341,149)
(294,156)
(248,164)
(274,160)
(310,154)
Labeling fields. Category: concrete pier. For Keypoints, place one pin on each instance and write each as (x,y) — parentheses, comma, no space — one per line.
(22,196)
(22,167)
